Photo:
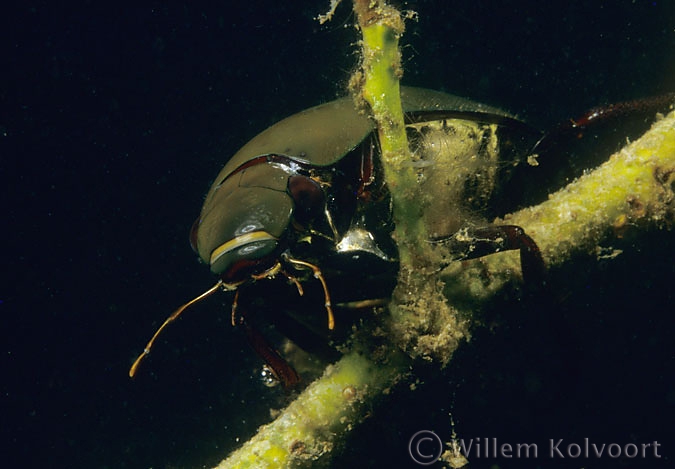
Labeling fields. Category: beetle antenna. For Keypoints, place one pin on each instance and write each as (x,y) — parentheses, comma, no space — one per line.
(318,275)
(170,319)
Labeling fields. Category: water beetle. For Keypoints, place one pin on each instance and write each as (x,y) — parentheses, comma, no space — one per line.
(305,202)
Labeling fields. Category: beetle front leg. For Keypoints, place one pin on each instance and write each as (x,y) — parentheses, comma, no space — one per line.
(319,276)
(472,243)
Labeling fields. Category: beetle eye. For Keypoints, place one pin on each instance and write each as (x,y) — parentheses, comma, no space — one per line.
(308,197)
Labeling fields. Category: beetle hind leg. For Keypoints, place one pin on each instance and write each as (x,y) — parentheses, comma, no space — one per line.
(472,243)
(280,368)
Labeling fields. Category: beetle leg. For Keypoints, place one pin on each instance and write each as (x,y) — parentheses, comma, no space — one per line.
(329,218)
(319,276)
(472,243)
(269,273)
(604,114)
(295,281)
(235,303)
(361,304)
(367,171)
(280,368)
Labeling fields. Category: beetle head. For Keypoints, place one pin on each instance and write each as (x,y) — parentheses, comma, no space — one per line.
(242,221)
(250,216)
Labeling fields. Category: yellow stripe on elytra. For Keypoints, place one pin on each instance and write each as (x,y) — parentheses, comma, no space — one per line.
(238,242)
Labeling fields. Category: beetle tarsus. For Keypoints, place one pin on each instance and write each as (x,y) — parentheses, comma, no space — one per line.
(472,243)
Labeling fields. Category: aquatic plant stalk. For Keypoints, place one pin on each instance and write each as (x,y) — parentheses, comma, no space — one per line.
(634,187)
(377,83)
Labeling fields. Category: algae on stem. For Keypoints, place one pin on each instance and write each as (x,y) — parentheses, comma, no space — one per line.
(417,294)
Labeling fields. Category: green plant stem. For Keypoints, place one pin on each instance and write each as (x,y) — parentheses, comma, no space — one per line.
(318,420)
(381,26)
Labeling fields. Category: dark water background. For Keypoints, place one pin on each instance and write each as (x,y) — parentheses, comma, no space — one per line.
(114,118)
